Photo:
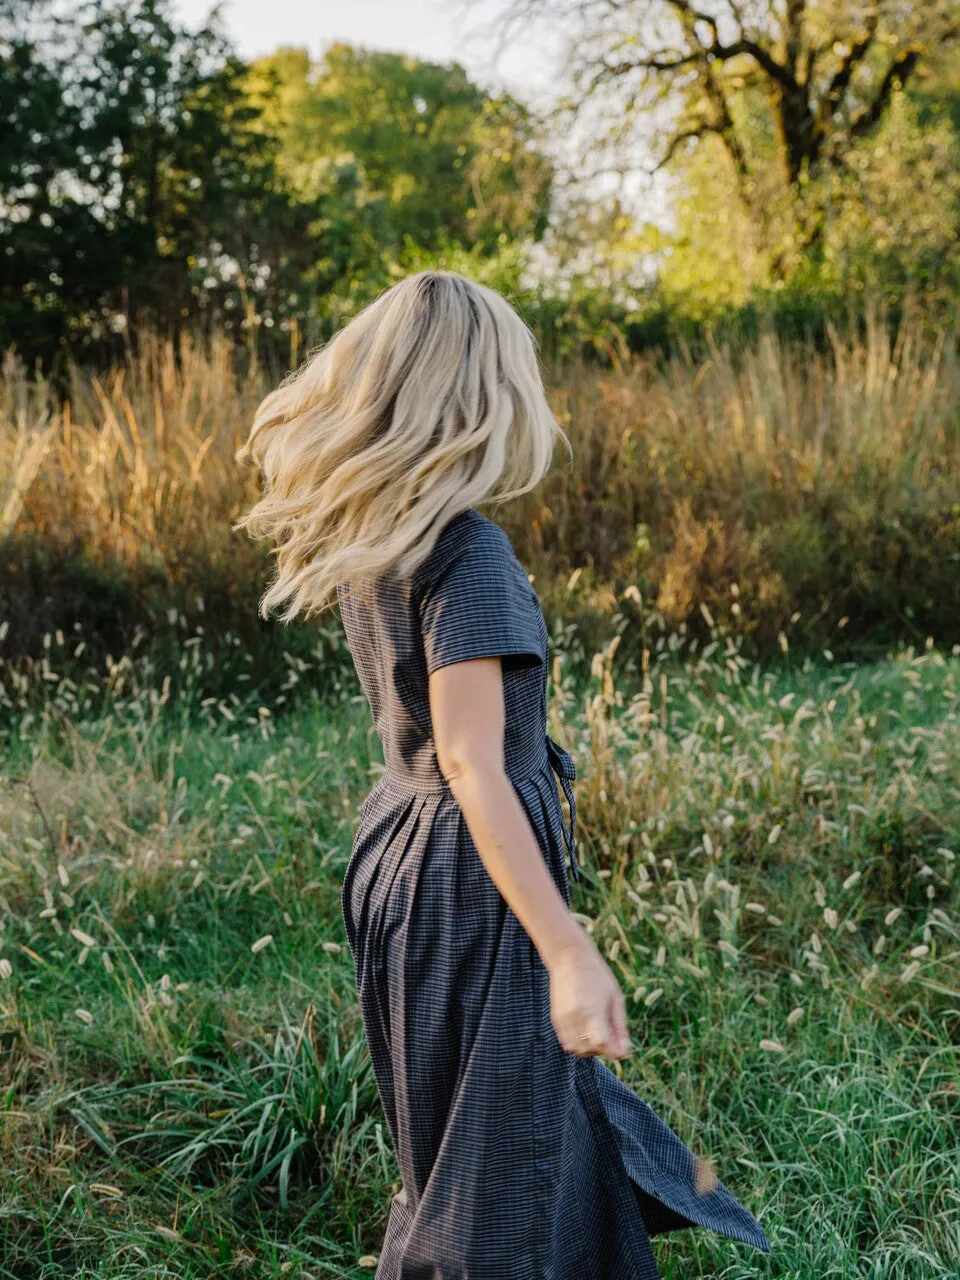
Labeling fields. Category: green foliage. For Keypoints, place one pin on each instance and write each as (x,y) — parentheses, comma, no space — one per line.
(447,162)
(709,259)
(411,166)
(128,167)
(147,171)
(895,211)
(291,1113)
(880,221)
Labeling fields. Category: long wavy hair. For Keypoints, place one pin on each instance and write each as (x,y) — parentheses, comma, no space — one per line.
(427,403)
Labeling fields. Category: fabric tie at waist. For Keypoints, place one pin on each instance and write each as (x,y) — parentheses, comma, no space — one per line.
(562,764)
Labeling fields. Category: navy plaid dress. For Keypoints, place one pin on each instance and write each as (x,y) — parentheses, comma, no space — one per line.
(519,1160)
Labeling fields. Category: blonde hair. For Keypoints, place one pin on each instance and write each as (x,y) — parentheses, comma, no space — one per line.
(427,403)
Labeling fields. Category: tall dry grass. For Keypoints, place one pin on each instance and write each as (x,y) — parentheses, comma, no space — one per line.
(134,461)
(789,490)
(767,482)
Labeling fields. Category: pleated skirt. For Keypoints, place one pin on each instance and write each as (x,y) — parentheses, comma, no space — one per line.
(519,1160)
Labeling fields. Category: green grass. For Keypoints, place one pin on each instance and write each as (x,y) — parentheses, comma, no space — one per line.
(770,859)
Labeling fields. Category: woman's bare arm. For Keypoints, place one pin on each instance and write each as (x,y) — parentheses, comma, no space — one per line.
(466,706)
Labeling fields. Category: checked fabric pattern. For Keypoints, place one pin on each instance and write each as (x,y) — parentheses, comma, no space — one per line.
(519,1161)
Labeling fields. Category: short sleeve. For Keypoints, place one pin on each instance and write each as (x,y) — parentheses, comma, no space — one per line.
(480,604)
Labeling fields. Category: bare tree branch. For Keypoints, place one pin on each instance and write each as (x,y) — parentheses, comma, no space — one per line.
(796,9)
(897,73)
(838,86)
(794,33)
(687,10)
(811,58)
(685,135)
(774,69)
(615,71)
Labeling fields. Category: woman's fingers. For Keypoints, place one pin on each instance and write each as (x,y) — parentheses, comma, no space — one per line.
(605,1031)
(598,1031)
(618,1025)
(593,1035)
(588,1008)
(569,1031)
(578,1035)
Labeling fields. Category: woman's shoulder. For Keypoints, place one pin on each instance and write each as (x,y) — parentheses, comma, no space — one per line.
(468,537)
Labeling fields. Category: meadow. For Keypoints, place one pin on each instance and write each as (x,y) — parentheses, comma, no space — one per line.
(749,570)
(770,855)
(748,561)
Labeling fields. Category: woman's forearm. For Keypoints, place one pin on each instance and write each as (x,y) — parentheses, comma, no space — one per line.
(509,850)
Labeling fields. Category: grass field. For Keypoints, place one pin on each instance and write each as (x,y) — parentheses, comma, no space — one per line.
(771,868)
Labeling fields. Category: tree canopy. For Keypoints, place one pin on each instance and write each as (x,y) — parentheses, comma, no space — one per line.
(448,162)
(146,169)
(787,91)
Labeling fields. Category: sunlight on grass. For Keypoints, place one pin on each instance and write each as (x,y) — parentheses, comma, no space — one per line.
(791,490)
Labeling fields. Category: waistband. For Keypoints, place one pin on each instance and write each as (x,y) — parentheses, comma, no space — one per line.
(560,761)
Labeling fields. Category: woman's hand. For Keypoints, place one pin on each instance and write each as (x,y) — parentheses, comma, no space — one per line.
(587,1007)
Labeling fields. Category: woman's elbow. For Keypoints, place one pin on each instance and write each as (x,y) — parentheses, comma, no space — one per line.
(464,762)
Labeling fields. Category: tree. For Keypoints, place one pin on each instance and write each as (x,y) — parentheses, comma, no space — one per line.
(129,169)
(446,162)
(788,87)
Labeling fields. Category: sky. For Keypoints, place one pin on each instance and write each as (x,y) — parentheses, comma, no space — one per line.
(437,30)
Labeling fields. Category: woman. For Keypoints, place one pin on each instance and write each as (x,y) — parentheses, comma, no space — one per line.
(485,1003)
